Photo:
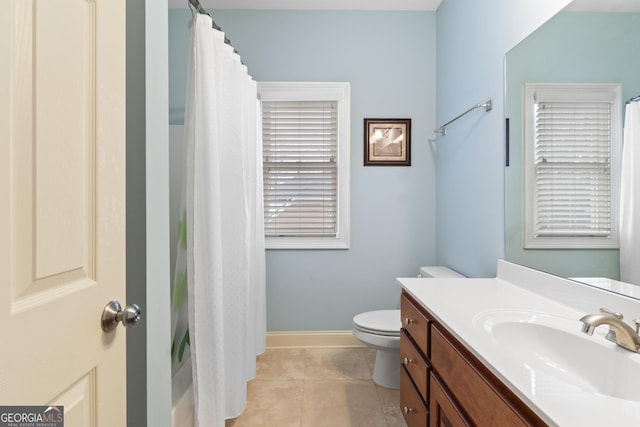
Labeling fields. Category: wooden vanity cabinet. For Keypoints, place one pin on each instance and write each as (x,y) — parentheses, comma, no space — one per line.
(443,378)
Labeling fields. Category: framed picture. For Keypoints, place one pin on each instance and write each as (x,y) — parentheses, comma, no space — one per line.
(387,142)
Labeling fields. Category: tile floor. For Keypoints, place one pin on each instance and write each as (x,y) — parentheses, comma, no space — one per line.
(318,387)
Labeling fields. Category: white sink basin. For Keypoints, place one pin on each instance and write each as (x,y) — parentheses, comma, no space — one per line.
(554,346)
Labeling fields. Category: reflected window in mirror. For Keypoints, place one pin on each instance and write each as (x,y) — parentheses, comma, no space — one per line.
(572,47)
(572,140)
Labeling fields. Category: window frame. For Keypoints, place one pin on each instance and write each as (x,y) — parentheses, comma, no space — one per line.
(320,91)
(570,92)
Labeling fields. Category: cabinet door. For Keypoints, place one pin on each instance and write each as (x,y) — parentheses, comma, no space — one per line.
(443,412)
(479,396)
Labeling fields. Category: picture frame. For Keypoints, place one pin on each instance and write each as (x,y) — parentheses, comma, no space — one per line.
(387,142)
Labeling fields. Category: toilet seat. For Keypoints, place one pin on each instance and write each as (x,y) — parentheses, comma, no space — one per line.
(379,322)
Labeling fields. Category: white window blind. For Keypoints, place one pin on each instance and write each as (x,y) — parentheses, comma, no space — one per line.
(573,168)
(300,168)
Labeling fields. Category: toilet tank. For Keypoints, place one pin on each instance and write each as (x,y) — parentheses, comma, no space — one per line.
(438,272)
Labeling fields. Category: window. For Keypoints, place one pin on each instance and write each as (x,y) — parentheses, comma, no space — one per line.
(305,137)
(572,143)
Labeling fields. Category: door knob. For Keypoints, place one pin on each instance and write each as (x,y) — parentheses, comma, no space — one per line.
(113,313)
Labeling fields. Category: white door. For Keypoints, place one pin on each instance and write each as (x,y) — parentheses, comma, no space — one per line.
(62,206)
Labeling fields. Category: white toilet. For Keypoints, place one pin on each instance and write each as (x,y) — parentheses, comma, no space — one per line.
(380,330)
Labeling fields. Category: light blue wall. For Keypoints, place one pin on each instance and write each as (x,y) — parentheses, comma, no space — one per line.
(389,58)
(571,47)
(472,39)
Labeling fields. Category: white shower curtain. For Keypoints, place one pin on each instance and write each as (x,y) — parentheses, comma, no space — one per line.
(225,250)
(630,197)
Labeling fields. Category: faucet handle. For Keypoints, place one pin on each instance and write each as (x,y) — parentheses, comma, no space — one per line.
(617,315)
(637,323)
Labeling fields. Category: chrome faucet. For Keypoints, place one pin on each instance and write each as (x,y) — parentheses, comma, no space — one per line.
(619,332)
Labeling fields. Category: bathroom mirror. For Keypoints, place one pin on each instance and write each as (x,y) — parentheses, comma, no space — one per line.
(588,42)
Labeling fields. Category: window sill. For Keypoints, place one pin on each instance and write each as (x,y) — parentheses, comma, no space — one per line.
(306,243)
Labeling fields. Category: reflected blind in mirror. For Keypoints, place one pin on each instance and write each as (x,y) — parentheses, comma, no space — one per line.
(572,143)
(573,169)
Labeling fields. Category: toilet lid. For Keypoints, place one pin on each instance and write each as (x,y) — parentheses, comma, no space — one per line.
(380,322)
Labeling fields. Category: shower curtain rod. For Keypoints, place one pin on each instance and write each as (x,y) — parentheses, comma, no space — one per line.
(442,130)
(637,98)
(198,7)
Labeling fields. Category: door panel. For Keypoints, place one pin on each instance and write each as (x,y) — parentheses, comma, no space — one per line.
(78,401)
(62,146)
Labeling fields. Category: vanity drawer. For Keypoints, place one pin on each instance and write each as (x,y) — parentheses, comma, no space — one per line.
(413,408)
(415,365)
(415,323)
(485,404)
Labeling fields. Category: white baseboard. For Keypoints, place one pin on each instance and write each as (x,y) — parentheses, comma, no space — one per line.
(312,339)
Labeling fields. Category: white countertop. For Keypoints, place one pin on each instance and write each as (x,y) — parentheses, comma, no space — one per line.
(466,306)
(611,285)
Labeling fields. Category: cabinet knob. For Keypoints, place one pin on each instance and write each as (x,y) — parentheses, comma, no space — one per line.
(407,361)
(408,410)
(408,321)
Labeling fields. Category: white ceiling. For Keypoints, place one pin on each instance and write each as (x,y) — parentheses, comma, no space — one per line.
(604,5)
(429,5)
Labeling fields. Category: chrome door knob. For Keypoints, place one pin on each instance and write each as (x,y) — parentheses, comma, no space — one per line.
(113,313)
